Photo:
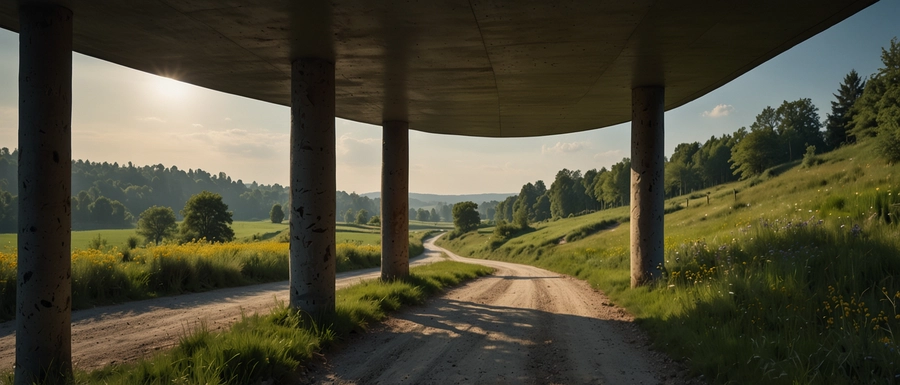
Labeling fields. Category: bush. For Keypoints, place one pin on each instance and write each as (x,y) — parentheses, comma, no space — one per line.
(809,158)
(586,230)
(133,242)
(98,243)
(888,142)
(505,230)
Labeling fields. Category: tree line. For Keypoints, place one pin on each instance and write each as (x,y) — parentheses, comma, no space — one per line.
(863,109)
(110,195)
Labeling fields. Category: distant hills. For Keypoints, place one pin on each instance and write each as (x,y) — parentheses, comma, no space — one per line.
(417,200)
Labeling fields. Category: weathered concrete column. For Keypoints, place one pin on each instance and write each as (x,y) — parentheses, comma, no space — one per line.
(313,186)
(44,279)
(395,200)
(647,170)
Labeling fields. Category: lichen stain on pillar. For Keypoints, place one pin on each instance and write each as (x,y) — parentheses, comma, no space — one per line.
(43,294)
(395,200)
(647,171)
(312,220)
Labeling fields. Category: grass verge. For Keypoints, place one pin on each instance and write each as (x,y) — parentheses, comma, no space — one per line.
(102,277)
(272,347)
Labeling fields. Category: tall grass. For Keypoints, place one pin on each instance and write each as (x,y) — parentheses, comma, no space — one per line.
(793,279)
(101,277)
(270,348)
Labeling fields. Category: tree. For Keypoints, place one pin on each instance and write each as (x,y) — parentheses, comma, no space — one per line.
(349,216)
(433,216)
(541,208)
(872,111)
(566,194)
(206,216)
(754,153)
(713,161)
(374,221)
(799,127)
(362,217)
(423,215)
(157,223)
(838,121)
(447,213)
(465,216)
(681,173)
(276,215)
(523,208)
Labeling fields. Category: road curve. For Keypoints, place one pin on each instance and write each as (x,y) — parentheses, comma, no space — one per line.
(128,331)
(521,325)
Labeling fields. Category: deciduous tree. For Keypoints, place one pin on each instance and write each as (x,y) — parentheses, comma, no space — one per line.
(156,224)
(755,152)
(206,216)
(465,216)
(276,215)
(362,217)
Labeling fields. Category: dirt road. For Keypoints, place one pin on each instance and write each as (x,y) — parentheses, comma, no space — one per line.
(521,325)
(125,332)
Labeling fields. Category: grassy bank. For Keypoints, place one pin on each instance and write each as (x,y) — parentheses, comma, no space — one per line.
(101,277)
(272,347)
(793,279)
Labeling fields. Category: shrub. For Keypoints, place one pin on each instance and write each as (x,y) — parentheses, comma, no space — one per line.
(809,158)
(586,230)
(888,142)
(132,242)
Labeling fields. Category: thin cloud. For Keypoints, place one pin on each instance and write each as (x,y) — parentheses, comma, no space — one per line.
(611,154)
(359,152)
(238,142)
(564,148)
(198,125)
(718,111)
(150,119)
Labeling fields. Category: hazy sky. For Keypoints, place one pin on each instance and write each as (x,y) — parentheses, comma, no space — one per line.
(122,115)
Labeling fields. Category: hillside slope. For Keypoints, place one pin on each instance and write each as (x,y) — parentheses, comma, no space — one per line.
(788,277)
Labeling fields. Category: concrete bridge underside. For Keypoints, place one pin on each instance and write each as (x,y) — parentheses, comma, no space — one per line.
(478,68)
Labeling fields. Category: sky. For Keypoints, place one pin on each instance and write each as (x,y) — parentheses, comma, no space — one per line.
(122,115)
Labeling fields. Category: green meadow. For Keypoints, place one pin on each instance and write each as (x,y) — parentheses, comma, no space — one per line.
(791,277)
(247,231)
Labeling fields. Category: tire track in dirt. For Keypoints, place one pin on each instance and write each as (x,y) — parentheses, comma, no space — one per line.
(521,325)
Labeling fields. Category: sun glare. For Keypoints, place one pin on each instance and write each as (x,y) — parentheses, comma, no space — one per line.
(170,89)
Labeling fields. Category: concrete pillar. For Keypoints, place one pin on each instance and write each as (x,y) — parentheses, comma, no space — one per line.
(647,170)
(395,200)
(313,186)
(44,279)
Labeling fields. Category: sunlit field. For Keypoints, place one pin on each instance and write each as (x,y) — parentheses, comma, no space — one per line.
(246,231)
(793,279)
(243,230)
(112,274)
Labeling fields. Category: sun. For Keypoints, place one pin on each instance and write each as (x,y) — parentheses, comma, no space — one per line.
(169,88)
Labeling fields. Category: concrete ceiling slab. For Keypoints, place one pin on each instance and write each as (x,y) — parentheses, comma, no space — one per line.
(488,68)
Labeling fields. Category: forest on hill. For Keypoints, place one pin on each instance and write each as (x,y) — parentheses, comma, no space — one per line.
(863,109)
(109,195)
